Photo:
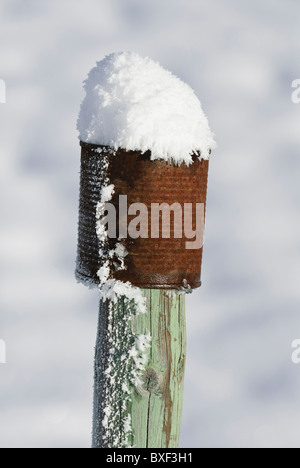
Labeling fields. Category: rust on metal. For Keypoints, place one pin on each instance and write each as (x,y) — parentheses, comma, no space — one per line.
(162,263)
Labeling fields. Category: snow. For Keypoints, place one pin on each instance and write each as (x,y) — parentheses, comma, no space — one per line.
(142,342)
(111,289)
(122,371)
(104,273)
(128,354)
(107,193)
(128,424)
(133,103)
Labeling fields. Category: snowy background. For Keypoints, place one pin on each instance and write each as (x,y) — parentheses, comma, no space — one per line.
(241,57)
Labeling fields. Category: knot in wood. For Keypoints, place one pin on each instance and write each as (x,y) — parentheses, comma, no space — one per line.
(152,381)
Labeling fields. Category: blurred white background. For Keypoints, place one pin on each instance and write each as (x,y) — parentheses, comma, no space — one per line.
(241,57)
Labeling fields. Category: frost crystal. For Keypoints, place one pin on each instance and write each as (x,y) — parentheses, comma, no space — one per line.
(127,357)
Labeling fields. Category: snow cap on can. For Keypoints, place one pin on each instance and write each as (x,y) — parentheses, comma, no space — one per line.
(135,104)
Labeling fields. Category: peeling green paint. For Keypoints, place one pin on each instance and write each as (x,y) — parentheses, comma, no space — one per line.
(156,410)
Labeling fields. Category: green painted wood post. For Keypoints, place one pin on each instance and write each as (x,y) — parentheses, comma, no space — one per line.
(144,413)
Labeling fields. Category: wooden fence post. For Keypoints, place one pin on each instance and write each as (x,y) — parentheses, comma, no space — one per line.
(151,415)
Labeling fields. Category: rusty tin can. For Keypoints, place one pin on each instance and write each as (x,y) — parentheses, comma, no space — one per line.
(162,263)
